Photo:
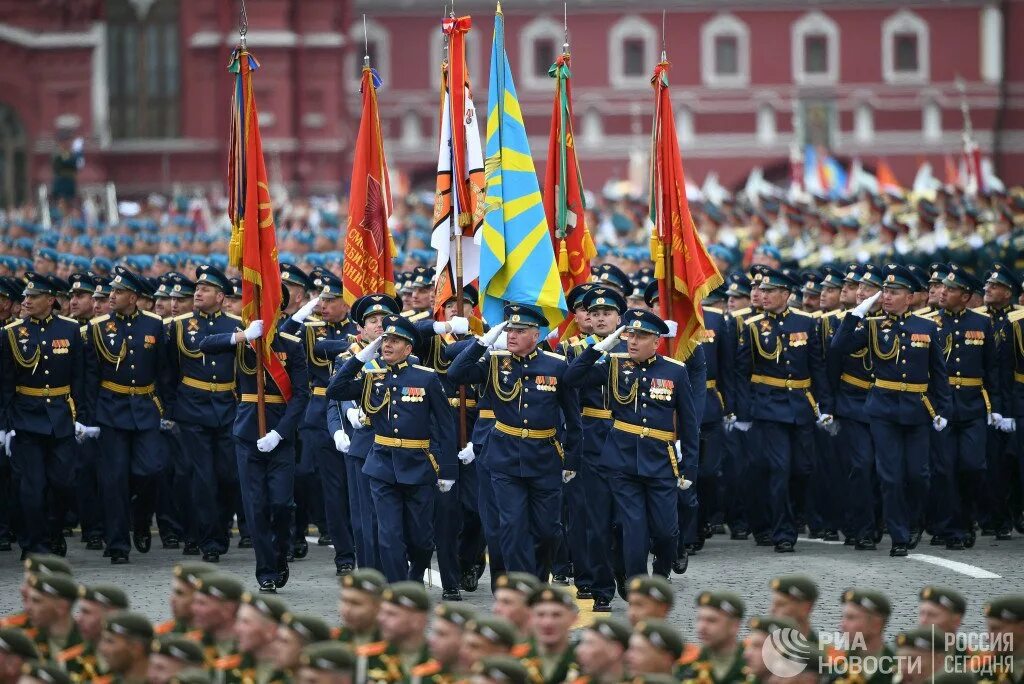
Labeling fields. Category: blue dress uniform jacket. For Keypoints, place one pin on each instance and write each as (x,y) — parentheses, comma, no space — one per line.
(911,384)
(653,396)
(128,378)
(206,381)
(529,397)
(594,399)
(850,375)
(404,402)
(281,417)
(1011,354)
(781,369)
(972,364)
(319,336)
(41,366)
(718,347)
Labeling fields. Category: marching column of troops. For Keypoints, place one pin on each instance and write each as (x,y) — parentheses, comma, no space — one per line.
(392,633)
(846,402)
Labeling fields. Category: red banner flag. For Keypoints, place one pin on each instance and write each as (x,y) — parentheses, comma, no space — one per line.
(886,178)
(369,250)
(253,247)
(563,191)
(682,265)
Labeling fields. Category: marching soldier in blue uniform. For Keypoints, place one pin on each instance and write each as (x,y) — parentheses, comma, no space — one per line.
(321,448)
(266,464)
(41,361)
(129,387)
(781,388)
(347,418)
(204,411)
(958,466)
(907,400)
(526,455)
(653,443)
(414,443)
(736,457)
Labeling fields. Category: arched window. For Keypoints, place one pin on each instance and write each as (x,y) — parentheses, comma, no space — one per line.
(931,120)
(815,50)
(375,44)
(143,68)
(905,48)
(540,42)
(864,122)
(685,129)
(632,53)
(766,123)
(725,52)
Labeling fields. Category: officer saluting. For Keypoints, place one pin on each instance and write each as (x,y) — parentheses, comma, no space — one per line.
(127,376)
(204,411)
(414,442)
(266,465)
(524,454)
(654,430)
(42,386)
(910,394)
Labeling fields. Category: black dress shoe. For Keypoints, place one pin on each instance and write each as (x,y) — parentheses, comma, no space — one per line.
(191,549)
(560,579)
(816,534)
(898,551)
(67,532)
(620,587)
(694,548)
(739,535)
(718,528)
(1004,535)
(268,587)
(763,540)
(94,544)
(987,531)
(915,538)
(451,595)
(324,540)
(143,540)
(972,538)
(682,563)
(59,546)
(938,540)
(784,547)
(118,558)
(171,542)
(850,541)
(866,544)
(211,557)
(300,549)
(584,593)
(344,569)
(245,542)
(470,581)
(955,545)
(282,576)
(602,605)
(830,535)
(289,557)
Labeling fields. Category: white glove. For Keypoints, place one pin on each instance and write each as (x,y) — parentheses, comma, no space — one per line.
(608,343)
(254,331)
(568,475)
(445,485)
(92,432)
(8,440)
(1008,425)
(825,419)
(994,420)
(501,343)
(268,442)
(370,350)
(166,425)
(679,452)
(467,454)
(673,328)
(685,484)
(939,423)
(742,425)
(862,309)
(490,337)
(355,418)
(341,441)
(459,325)
(729,422)
(79,432)
(302,314)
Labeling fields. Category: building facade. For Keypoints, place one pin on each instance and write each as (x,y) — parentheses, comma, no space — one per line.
(144,81)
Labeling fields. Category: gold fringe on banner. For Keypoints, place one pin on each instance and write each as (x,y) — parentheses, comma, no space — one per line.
(563,257)
(235,246)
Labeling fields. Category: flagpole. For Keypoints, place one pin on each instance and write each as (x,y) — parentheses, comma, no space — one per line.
(456,231)
(666,246)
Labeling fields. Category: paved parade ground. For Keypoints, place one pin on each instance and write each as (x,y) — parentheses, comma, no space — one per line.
(991,569)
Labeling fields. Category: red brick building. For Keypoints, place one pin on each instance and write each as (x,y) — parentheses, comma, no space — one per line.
(144,81)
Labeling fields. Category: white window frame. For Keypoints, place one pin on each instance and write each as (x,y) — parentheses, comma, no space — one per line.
(541,28)
(631,27)
(864,122)
(686,127)
(375,32)
(767,123)
(725,24)
(931,119)
(903,22)
(809,24)
(477,77)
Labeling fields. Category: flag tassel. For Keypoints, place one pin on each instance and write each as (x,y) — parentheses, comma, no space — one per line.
(658,255)
(563,257)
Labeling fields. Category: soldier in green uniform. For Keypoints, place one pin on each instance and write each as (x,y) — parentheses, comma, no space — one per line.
(169,655)
(182,591)
(649,597)
(443,643)
(720,658)
(34,564)
(551,657)
(39,672)
(16,650)
(921,655)
(214,609)
(1004,619)
(601,652)
(511,592)
(761,627)
(654,648)
(500,670)
(256,626)
(793,597)
(942,607)
(327,663)
(296,632)
(358,604)
(124,647)
(403,617)
(51,597)
(865,614)
(95,603)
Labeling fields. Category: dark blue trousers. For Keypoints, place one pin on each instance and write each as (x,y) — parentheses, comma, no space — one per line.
(406,532)
(782,460)
(709,474)
(447,524)
(956,487)
(267,482)
(43,468)
(601,535)
(214,487)
(131,462)
(856,493)
(489,518)
(174,510)
(735,482)
(823,500)
(471,539)
(647,510)
(334,481)
(576,526)
(309,505)
(87,489)
(363,517)
(901,460)
(529,511)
